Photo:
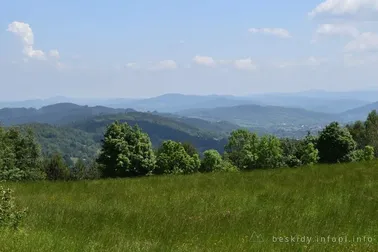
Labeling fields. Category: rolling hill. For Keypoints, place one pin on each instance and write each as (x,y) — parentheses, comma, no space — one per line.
(319,101)
(359,113)
(58,114)
(263,116)
(76,131)
(158,128)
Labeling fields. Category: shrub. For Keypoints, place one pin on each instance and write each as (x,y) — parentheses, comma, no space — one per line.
(173,159)
(212,161)
(10,216)
(227,166)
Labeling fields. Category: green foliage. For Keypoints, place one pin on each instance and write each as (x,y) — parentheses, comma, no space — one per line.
(358,132)
(335,144)
(242,149)
(269,153)
(290,151)
(159,128)
(85,170)
(361,155)
(126,152)
(78,171)
(366,133)
(368,153)
(55,168)
(10,216)
(71,142)
(212,161)
(246,151)
(173,159)
(20,157)
(227,166)
(190,149)
(309,154)
(371,126)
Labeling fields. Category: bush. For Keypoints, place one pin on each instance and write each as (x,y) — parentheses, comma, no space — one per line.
(367,154)
(212,161)
(173,159)
(20,157)
(335,144)
(126,152)
(56,168)
(227,166)
(10,217)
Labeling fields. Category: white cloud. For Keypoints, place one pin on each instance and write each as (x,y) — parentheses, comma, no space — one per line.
(367,41)
(340,7)
(351,60)
(245,64)
(278,32)
(165,65)
(25,32)
(314,61)
(337,30)
(204,60)
(132,65)
(241,64)
(54,54)
(309,62)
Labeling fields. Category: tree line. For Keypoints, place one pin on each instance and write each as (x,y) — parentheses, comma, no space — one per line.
(127,151)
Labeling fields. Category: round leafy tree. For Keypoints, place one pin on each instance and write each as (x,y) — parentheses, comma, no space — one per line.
(126,152)
(335,144)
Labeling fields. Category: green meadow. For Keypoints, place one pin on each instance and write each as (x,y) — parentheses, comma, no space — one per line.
(320,208)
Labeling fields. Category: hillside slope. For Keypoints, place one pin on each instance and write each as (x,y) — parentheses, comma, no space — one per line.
(359,113)
(264,116)
(59,113)
(159,129)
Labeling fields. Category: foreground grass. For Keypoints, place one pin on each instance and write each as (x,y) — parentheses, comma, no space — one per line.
(204,212)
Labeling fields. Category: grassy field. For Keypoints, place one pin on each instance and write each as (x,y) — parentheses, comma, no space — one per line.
(204,212)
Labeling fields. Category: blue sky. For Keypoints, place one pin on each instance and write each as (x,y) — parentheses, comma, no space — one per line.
(146,48)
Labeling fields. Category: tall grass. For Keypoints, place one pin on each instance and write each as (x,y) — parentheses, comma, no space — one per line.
(203,212)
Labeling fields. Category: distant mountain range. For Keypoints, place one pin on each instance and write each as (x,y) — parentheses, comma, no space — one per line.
(359,113)
(76,130)
(318,101)
(261,116)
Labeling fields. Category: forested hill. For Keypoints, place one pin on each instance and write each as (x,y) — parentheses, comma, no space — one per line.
(81,138)
(264,116)
(162,128)
(360,112)
(227,118)
(61,113)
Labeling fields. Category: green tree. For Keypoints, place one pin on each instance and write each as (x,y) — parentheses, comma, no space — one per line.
(335,144)
(309,154)
(79,170)
(56,168)
(10,216)
(212,161)
(371,126)
(173,159)
(126,152)
(365,154)
(269,152)
(358,132)
(368,153)
(20,156)
(190,149)
(242,149)
(290,149)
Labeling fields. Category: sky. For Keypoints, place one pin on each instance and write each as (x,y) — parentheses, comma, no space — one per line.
(144,48)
